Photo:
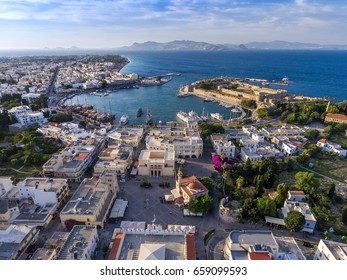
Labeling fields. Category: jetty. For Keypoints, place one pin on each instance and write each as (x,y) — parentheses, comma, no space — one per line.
(164,75)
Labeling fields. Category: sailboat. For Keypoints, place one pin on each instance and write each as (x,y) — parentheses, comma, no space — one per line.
(149,120)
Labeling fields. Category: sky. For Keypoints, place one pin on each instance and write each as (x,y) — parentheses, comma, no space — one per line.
(103,24)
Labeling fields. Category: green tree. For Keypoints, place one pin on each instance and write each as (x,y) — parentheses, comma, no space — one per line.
(327,235)
(282,194)
(240,182)
(311,134)
(263,113)
(307,182)
(250,209)
(344,215)
(259,185)
(331,193)
(344,239)
(266,206)
(323,216)
(269,178)
(201,204)
(294,221)
(247,171)
(207,182)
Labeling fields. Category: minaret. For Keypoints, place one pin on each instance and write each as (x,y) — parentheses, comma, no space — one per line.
(178,180)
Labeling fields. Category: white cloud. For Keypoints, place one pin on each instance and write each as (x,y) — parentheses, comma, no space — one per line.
(110,21)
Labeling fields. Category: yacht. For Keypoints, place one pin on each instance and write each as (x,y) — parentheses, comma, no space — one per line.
(139,112)
(217,116)
(123,120)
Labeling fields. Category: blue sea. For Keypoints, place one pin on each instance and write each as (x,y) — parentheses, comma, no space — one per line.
(310,73)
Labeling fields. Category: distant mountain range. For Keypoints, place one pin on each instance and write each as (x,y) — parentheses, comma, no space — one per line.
(181,46)
(184,45)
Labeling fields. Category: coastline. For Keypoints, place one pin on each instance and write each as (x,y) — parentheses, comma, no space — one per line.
(70,95)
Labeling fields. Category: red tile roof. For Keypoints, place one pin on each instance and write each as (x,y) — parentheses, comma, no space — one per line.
(336,116)
(116,246)
(81,156)
(261,256)
(190,247)
(191,185)
(55,124)
(323,141)
(296,192)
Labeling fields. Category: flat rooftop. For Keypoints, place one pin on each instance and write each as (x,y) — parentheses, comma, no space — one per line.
(57,239)
(47,184)
(339,250)
(85,199)
(11,236)
(157,155)
(76,242)
(175,247)
(253,237)
(291,249)
(43,254)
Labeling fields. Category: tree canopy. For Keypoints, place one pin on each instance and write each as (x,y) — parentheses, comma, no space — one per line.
(294,221)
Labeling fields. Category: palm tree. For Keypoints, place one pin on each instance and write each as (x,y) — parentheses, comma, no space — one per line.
(240,182)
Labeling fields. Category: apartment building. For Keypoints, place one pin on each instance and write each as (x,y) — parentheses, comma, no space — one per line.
(71,163)
(184,142)
(92,201)
(222,145)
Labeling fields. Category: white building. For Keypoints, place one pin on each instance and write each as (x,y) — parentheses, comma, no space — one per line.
(128,135)
(260,245)
(296,195)
(15,239)
(222,145)
(25,116)
(92,201)
(80,245)
(71,163)
(156,163)
(330,250)
(292,130)
(304,209)
(29,96)
(68,132)
(259,153)
(44,190)
(331,147)
(185,142)
(5,185)
(116,158)
(288,149)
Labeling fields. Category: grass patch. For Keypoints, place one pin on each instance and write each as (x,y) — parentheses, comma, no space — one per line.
(340,139)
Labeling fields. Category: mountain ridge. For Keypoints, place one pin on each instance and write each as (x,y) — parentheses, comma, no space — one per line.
(185,45)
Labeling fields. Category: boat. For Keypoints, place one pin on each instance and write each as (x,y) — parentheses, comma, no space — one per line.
(188,117)
(139,112)
(285,79)
(123,120)
(149,120)
(217,116)
(207,100)
(99,93)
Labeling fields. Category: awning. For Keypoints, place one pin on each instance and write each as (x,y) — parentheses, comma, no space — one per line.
(169,197)
(275,221)
(118,208)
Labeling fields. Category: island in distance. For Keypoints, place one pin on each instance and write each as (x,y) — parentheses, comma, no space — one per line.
(187,45)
